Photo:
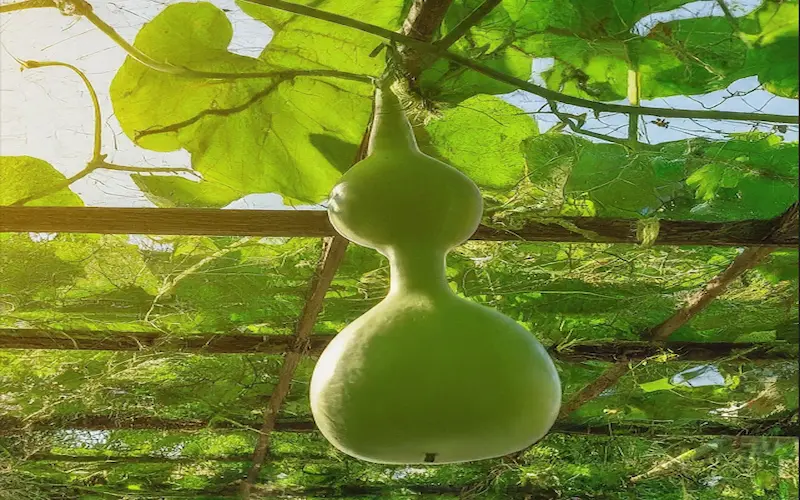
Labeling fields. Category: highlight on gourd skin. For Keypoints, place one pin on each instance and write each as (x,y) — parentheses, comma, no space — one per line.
(417,378)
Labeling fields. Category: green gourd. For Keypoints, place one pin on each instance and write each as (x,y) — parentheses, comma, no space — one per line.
(425,376)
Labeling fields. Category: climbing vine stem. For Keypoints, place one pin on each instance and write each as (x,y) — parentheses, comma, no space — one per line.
(468,22)
(634,94)
(81,7)
(516,82)
(27,4)
(576,122)
(151,63)
(98,136)
(98,159)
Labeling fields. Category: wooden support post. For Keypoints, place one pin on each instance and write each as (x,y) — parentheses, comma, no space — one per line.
(332,256)
(749,258)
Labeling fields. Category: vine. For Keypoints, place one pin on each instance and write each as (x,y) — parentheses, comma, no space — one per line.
(521,84)
(84,9)
(81,7)
(98,159)
(549,286)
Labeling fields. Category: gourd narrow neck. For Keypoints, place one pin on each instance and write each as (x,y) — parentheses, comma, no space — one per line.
(418,271)
(391,130)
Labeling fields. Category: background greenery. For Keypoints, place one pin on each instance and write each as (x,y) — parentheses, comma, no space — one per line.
(295,136)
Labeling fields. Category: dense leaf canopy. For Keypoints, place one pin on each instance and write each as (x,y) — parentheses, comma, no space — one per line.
(288,119)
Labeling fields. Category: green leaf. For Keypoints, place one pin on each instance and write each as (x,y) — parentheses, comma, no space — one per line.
(594,45)
(174,191)
(781,265)
(662,384)
(589,40)
(451,82)
(490,46)
(619,184)
(113,266)
(680,57)
(778,66)
(552,156)
(706,181)
(309,43)
(750,176)
(754,176)
(773,20)
(483,137)
(774,45)
(24,176)
(253,135)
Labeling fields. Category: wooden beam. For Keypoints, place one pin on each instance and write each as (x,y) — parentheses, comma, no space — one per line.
(314,223)
(774,427)
(332,256)
(146,459)
(606,379)
(749,258)
(682,351)
(209,343)
(203,343)
(344,491)
(153,459)
(93,422)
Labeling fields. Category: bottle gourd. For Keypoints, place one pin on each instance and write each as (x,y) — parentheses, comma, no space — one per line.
(425,376)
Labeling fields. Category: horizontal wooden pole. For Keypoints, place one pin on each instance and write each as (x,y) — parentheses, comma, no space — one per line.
(81,340)
(662,429)
(314,223)
(57,457)
(609,351)
(13,425)
(745,441)
(341,491)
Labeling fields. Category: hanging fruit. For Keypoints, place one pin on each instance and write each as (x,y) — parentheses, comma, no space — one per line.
(425,376)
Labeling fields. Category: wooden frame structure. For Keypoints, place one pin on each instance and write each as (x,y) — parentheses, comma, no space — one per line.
(762,238)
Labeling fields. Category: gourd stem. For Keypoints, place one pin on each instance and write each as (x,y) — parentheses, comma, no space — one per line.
(419,271)
(391,130)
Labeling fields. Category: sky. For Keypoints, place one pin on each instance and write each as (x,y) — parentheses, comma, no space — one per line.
(46,113)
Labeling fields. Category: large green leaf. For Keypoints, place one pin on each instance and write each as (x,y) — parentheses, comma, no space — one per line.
(307,43)
(24,176)
(618,183)
(173,191)
(447,81)
(291,136)
(499,40)
(771,33)
(31,272)
(595,44)
(781,265)
(483,136)
(751,176)
(778,66)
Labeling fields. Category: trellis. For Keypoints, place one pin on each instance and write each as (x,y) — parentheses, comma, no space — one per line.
(763,237)
(759,237)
